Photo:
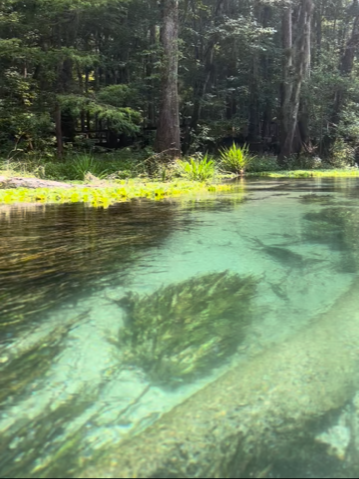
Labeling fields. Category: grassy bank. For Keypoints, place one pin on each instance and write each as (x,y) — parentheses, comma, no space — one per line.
(338,173)
(107,195)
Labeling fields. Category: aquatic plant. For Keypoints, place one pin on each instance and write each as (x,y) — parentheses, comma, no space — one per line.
(236,159)
(313,198)
(193,169)
(28,360)
(338,228)
(184,329)
(44,447)
(81,246)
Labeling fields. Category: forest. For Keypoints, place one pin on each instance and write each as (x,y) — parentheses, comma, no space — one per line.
(180,77)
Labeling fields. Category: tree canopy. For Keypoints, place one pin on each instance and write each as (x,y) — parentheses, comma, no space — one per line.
(280,75)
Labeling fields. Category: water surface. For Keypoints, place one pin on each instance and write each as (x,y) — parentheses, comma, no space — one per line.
(70,389)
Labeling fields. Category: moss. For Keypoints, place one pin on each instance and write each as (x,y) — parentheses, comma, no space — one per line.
(187,328)
(108,195)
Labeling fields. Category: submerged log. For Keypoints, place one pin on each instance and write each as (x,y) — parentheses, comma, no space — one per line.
(262,405)
(33,183)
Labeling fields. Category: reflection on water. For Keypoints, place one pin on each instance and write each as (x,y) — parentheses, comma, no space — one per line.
(47,252)
(199,339)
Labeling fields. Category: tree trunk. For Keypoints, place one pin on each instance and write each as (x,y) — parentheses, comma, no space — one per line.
(58,128)
(286,87)
(150,68)
(301,71)
(168,131)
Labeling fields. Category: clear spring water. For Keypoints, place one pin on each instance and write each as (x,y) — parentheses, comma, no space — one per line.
(66,395)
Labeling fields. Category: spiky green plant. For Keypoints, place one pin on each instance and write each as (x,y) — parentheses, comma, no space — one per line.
(236,159)
(85,164)
(197,169)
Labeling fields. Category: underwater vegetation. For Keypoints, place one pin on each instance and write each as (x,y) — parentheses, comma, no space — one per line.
(316,199)
(187,328)
(338,228)
(60,449)
(51,254)
(31,358)
(103,197)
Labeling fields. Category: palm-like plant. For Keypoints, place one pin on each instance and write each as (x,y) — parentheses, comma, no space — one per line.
(236,159)
(85,164)
(197,169)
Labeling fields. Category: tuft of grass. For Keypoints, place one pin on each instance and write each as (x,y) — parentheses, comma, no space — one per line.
(235,159)
(197,169)
(84,164)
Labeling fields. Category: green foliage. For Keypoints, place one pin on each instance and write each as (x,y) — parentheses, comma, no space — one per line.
(263,163)
(122,119)
(84,164)
(333,173)
(342,154)
(197,169)
(109,193)
(236,159)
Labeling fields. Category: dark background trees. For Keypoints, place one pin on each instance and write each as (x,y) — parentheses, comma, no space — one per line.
(278,74)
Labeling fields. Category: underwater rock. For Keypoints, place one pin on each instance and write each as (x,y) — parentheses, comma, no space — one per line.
(187,328)
(337,438)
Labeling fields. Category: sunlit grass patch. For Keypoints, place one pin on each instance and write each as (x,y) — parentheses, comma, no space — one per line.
(106,196)
(345,173)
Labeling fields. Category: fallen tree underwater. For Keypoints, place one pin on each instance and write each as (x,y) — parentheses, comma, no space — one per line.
(265,404)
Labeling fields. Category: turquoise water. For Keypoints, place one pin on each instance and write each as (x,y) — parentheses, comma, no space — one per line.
(72,392)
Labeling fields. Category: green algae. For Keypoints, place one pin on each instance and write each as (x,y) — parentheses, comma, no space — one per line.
(187,328)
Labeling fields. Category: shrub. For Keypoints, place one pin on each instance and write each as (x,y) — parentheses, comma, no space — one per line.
(342,154)
(197,169)
(85,164)
(236,159)
(263,163)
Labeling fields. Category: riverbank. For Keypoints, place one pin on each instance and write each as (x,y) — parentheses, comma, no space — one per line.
(102,193)
(99,193)
(338,173)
